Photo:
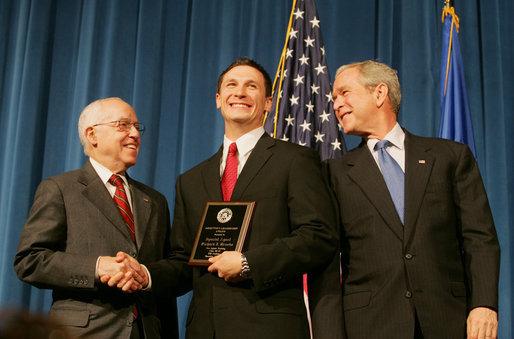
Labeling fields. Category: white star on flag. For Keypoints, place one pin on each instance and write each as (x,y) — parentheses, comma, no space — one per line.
(294,100)
(324,117)
(309,42)
(310,107)
(290,120)
(319,136)
(304,60)
(298,14)
(320,69)
(299,79)
(314,22)
(306,126)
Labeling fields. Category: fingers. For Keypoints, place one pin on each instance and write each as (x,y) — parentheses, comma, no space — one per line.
(227,265)
(482,322)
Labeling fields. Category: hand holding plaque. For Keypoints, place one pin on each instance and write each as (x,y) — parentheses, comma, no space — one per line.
(223,227)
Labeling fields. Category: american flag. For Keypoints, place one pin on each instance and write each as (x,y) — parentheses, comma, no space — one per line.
(301,90)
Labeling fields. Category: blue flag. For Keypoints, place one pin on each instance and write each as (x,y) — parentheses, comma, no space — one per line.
(455,113)
(301,90)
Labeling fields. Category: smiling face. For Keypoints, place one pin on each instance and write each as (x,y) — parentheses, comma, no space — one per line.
(117,150)
(242,100)
(355,105)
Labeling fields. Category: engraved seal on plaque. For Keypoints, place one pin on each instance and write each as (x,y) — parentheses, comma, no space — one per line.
(224,215)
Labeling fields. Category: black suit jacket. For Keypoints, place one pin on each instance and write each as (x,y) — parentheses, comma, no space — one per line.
(73,221)
(442,263)
(293,231)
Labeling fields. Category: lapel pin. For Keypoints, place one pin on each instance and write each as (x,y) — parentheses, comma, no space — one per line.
(422,161)
(146,200)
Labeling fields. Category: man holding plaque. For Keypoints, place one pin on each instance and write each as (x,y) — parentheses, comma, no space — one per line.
(256,292)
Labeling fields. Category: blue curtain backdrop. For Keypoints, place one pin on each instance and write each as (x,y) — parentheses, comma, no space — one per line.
(163,57)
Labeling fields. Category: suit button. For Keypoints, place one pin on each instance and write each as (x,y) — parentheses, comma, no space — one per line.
(408,256)
(408,295)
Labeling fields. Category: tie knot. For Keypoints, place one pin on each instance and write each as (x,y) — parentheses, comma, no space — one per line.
(232,148)
(116,180)
(382,144)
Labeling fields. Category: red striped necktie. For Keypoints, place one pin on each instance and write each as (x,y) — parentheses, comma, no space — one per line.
(230,174)
(121,200)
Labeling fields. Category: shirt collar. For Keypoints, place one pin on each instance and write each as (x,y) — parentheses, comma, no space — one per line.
(104,173)
(245,143)
(396,137)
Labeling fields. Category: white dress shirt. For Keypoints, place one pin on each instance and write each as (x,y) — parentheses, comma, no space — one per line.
(245,145)
(396,137)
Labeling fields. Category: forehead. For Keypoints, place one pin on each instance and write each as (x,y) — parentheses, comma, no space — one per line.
(347,77)
(245,73)
(117,109)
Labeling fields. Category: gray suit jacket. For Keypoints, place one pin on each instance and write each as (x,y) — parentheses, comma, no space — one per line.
(442,263)
(293,231)
(73,221)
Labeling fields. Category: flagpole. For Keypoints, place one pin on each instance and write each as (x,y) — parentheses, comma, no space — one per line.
(280,71)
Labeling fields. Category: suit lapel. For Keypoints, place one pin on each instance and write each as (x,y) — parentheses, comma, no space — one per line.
(97,194)
(142,209)
(418,166)
(255,162)
(211,177)
(365,173)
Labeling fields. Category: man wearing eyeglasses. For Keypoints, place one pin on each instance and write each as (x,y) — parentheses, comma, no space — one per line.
(81,220)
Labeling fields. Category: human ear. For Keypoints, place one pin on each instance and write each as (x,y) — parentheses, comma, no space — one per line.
(381,94)
(90,134)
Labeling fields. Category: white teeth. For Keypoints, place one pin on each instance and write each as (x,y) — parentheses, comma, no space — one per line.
(131,146)
(239,105)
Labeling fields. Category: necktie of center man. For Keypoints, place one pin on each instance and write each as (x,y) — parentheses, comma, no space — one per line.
(230,174)
(121,200)
(393,176)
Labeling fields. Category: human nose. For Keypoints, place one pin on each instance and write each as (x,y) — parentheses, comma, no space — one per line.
(134,132)
(240,91)
(338,103)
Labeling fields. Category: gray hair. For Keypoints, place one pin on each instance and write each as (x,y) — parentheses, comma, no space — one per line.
(372,73)
(91,114)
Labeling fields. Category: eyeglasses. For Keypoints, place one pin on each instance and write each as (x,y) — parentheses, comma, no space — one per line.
(124,125)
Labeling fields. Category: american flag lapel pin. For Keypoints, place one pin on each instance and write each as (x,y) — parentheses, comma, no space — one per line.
(146,200)
(422,161)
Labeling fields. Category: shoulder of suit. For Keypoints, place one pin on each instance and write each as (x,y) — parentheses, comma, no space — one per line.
(288,147)
(198,168)
(436,144)
(65,177)
(145,188)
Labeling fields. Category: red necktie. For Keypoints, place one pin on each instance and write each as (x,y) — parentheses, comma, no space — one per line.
(230,175)
(121,200)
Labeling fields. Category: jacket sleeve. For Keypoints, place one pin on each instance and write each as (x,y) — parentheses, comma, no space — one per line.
(479,240)
(41,259)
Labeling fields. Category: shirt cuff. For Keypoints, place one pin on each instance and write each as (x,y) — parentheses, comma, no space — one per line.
(97,278)
(149,287)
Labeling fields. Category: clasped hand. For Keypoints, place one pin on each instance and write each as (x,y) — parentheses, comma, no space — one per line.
(122,271)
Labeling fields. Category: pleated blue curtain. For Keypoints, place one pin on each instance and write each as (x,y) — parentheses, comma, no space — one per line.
(164,57)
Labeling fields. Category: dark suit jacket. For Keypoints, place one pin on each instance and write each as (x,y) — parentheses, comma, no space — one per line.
(442,263)
(293,232)
(73,221)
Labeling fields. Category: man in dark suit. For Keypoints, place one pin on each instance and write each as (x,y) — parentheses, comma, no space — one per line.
(75,229)
(257,293)
(420,258)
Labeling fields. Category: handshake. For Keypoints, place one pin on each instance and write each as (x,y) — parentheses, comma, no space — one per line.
(122,271)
